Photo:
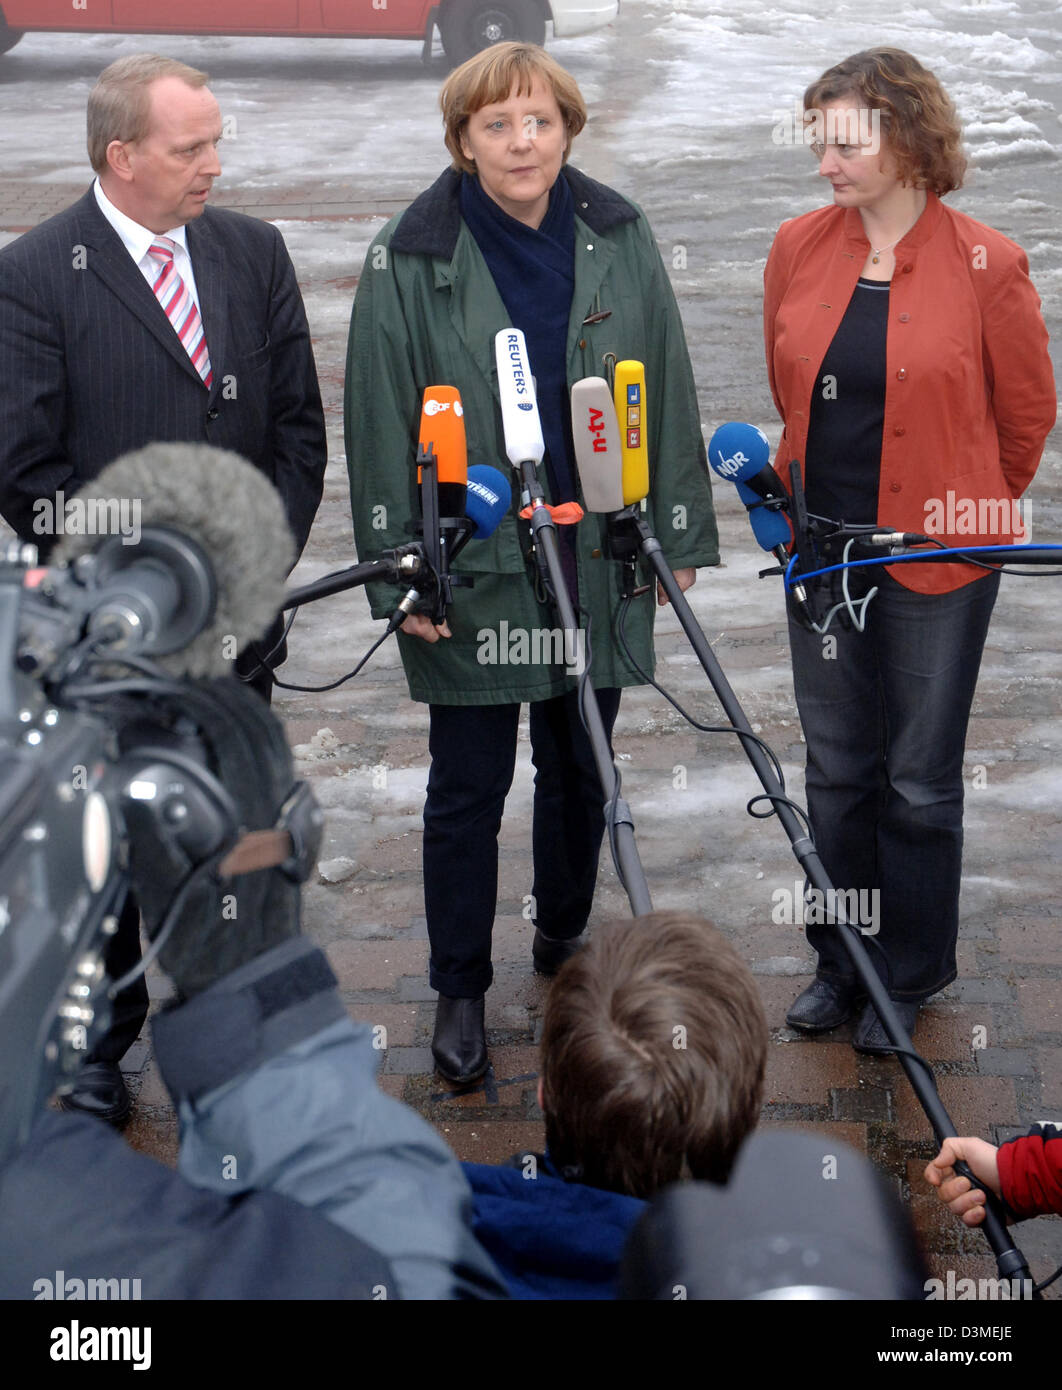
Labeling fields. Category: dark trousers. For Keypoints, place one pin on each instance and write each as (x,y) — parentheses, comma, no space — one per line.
(885,713)
(251,666)
(130,1007)
(473,756)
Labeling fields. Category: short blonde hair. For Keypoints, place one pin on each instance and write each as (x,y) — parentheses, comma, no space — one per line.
(490,76)
(119,106)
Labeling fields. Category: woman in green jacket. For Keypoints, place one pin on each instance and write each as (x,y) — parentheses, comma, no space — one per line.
(512,236)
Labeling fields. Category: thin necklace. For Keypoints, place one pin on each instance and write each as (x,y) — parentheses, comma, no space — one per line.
(877,254)
(882,249)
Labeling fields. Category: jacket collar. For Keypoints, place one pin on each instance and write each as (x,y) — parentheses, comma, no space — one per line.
(431,224)
(113,264)
(919,234)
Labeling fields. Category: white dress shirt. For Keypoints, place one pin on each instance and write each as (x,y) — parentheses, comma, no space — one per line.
(137,240)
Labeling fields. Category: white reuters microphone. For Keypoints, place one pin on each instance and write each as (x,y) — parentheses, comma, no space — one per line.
(516,387)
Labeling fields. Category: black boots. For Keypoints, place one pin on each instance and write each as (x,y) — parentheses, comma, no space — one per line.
(549,954)
(460,1042)
(825,1004)
(99,1090)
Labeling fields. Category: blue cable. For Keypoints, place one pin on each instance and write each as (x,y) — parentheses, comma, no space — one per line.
(901,559)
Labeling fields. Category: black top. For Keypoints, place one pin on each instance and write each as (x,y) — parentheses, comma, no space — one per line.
(843,459)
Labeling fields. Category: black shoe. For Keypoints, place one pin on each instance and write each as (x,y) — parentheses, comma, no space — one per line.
(871,1036)
(825,1004)
(549,954)
(460,1042)
(99,1090)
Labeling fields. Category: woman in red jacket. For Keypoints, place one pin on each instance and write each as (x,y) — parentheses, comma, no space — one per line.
(908,361)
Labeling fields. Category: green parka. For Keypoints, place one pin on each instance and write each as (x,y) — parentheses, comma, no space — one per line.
(426,313)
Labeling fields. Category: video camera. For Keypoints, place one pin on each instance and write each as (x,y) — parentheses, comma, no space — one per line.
(99,744)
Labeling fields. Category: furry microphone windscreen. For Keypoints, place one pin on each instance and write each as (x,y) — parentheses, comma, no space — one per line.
(224,504)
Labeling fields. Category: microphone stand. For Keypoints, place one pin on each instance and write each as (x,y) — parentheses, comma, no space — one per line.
(349,578)
(406,565)
(633,532)
(617,811)
(423,565)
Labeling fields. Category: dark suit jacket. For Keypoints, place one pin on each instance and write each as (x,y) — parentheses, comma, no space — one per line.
(90,366)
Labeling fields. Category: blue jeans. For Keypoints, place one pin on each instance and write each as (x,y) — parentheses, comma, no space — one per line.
(473,757)
(885,717)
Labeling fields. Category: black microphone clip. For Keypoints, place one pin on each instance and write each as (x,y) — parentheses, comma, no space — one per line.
(803,545)
(444,538)
(623,540)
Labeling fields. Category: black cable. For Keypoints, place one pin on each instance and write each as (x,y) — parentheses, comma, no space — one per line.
(317,689)
(263,661)
(776,767)
(168,922)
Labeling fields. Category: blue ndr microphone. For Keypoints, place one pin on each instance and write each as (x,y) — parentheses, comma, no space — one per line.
(741,454)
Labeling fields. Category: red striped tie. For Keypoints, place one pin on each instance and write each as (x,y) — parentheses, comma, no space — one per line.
(172,293)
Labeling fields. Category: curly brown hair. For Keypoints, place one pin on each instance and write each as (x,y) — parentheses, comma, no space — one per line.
(654,1044)
(918,117)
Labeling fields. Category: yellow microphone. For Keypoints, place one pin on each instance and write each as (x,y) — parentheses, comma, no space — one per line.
(629,396)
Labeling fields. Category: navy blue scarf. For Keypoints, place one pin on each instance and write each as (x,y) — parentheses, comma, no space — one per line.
(534,270)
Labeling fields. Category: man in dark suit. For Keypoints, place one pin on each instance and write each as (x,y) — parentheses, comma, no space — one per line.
(137,315)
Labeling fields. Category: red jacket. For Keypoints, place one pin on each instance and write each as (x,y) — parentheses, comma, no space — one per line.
(969,390)
(1030,1172)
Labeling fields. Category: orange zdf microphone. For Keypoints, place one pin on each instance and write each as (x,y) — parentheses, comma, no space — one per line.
(442,432)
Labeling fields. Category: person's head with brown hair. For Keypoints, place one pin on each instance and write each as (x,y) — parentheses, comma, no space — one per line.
(153,132)
(119,105)
(495,74)
(653,1053)
(917,120)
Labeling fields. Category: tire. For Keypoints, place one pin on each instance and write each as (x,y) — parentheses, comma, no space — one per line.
(468,26)
(8,37)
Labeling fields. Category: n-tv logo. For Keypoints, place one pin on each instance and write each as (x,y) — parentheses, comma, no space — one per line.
(596,426)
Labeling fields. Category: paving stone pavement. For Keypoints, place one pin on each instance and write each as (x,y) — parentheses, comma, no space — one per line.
(993,1037)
